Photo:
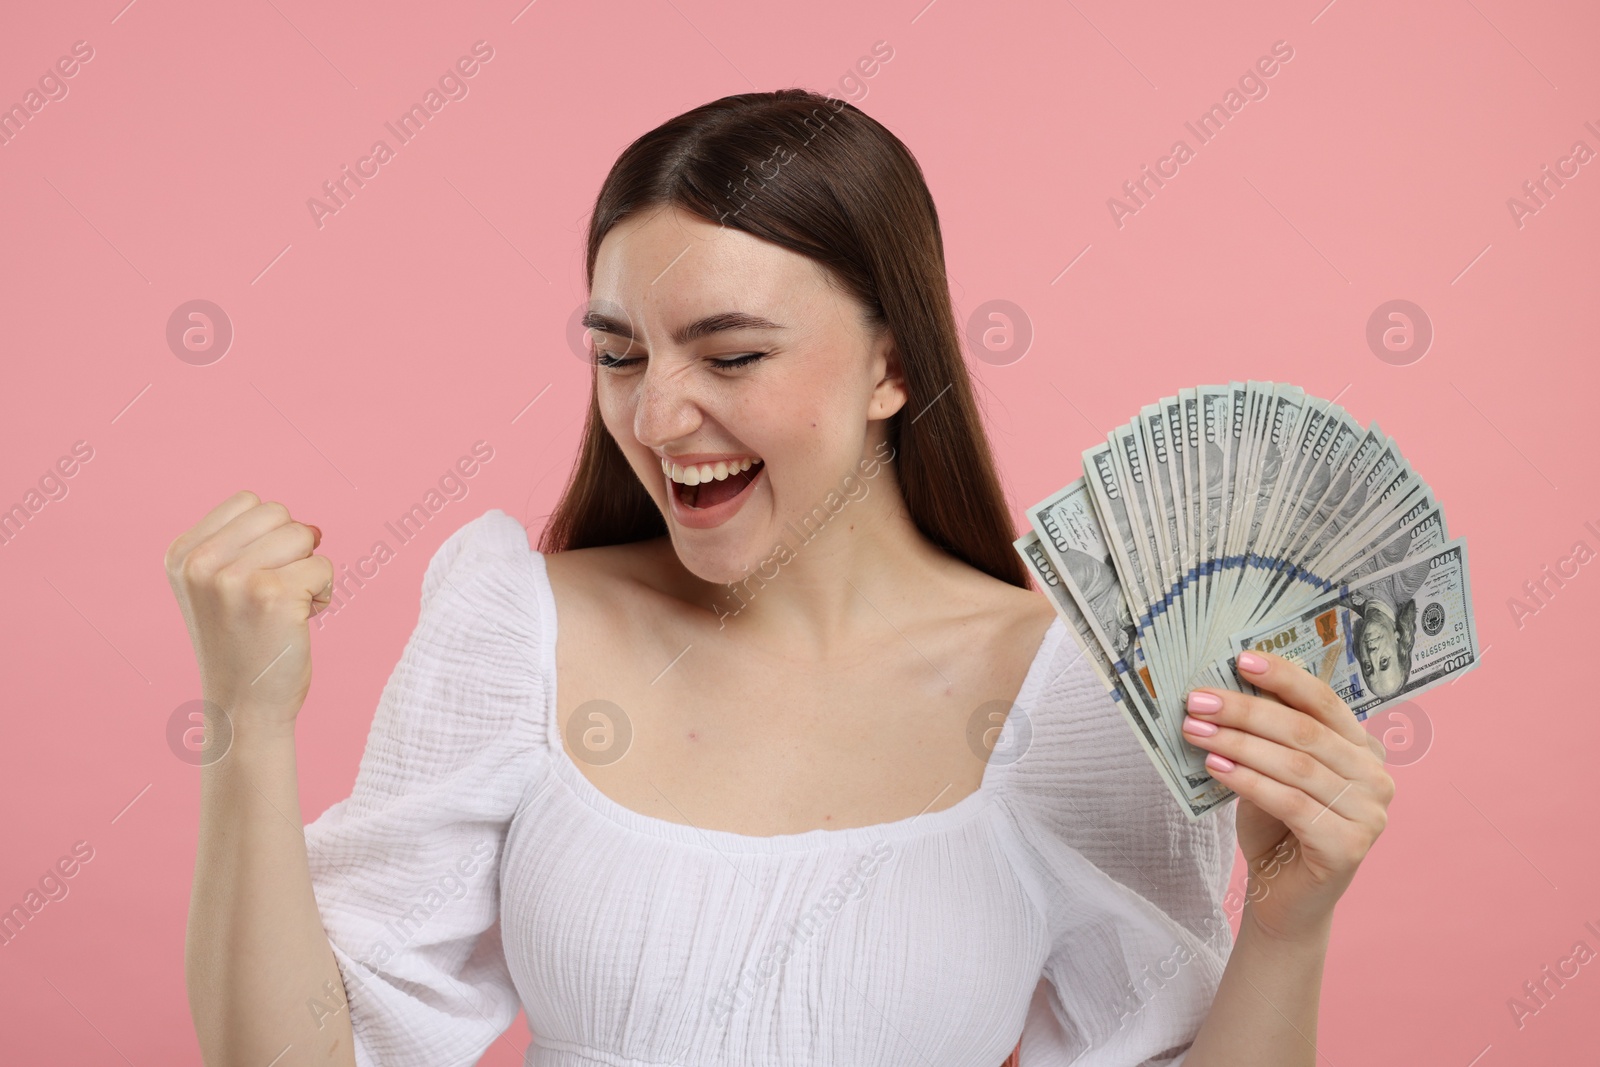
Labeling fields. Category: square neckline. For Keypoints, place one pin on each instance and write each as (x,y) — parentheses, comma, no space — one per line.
(924,823)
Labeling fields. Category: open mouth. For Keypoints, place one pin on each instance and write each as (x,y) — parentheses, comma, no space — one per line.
(709,494)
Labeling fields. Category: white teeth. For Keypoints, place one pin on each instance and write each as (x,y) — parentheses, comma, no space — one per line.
(706,472)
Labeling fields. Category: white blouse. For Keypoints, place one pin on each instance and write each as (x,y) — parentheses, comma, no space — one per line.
(474,871)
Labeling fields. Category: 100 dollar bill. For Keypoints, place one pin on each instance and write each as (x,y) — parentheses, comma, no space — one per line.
(1384,638)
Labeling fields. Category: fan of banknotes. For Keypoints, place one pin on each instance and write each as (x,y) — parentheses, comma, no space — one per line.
(1250,516)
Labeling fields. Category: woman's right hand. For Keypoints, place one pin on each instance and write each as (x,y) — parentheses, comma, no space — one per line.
(247,583)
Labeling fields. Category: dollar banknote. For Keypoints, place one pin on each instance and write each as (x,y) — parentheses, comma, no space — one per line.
(1386,637)
(1244,511)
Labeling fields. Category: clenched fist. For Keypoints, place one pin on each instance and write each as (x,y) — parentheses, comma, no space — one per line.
(247,583)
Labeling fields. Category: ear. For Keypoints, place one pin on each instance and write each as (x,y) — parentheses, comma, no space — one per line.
(890,393)
(1357,631)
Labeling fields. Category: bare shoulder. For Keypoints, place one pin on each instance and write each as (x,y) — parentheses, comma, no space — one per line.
(1028,609)
(995,613)
(599,583)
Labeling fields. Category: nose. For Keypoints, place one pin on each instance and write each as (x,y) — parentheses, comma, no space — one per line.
(665,408)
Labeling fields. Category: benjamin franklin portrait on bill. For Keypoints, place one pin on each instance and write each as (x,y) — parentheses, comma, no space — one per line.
(1385,629)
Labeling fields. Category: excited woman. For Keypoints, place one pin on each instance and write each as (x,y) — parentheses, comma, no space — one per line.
(711,776)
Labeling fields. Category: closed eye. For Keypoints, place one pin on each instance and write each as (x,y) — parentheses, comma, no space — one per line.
(738,361)
(606,359)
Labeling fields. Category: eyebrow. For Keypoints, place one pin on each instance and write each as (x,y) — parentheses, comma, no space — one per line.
(719,323)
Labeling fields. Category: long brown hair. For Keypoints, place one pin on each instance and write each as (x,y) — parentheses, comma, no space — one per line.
(849,195)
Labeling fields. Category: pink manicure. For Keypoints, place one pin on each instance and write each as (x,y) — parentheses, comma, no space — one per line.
(1249,661)
(1219,763)
(1204,703)
(1198,727)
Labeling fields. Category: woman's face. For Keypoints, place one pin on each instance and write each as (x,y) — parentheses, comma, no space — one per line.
(667,288)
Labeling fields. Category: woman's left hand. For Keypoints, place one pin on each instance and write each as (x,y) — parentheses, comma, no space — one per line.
(1313,794)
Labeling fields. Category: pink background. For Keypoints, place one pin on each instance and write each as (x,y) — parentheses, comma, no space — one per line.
(371,353)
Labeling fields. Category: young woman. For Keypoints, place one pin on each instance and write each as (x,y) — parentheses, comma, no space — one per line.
(710,778)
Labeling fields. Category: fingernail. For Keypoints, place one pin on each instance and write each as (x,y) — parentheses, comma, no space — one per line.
(1198,727)
(1204,703)
(316,536)
(1219,763)
(1249,661)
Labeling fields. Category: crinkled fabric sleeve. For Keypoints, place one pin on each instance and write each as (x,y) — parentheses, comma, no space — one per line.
(406,869)
(1131,888)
